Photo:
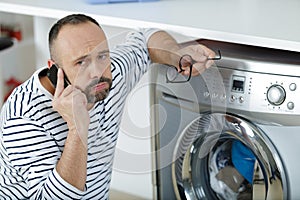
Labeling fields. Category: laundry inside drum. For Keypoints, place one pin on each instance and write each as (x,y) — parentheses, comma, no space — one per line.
(227,180)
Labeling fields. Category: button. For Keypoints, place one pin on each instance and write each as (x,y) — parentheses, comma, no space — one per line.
(232,98)
(241,99)
(290,105)
(293,86)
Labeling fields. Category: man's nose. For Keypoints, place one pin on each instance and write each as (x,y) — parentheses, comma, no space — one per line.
(96,70)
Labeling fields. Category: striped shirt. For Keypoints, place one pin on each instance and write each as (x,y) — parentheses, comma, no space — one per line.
(32,134)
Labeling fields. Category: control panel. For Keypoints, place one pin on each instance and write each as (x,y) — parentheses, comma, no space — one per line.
(252,91)
(256,82)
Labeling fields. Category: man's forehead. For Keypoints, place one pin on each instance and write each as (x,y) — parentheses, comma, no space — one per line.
(81,43)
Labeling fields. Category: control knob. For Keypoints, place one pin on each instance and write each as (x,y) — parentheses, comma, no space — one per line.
(276,95)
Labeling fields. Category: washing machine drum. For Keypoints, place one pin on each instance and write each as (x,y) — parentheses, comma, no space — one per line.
(222,156)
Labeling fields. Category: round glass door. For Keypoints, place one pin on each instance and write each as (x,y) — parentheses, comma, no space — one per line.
(222,156)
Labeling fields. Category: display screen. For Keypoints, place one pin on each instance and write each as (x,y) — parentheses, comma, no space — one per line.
(238,84)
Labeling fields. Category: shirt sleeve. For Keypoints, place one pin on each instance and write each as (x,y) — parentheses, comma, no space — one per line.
(132,58)
(29,157)
(148,32)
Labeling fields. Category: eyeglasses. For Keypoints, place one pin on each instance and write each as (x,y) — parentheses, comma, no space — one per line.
(175,76)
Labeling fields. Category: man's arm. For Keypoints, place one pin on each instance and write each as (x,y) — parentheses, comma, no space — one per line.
(164,49)
(72,103)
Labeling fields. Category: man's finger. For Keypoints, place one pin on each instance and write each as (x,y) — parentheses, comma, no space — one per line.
(60,83)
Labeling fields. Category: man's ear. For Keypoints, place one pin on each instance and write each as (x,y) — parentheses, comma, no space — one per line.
(50,63)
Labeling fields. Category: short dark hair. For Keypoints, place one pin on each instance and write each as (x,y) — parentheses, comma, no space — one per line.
(72,19)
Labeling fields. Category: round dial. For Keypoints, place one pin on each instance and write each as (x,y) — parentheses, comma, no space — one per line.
(276,95)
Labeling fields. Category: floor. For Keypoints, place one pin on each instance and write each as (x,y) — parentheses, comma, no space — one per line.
(118,195)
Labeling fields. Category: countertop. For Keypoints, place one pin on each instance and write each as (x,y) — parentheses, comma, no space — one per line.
(268,23)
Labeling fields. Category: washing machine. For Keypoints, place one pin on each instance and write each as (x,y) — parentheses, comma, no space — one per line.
(232,132)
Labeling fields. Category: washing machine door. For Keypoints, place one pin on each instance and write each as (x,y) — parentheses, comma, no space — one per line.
(222,156)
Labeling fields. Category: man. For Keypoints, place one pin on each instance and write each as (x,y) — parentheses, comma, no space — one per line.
(58,141)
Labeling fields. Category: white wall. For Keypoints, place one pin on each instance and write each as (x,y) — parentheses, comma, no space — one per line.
(132,170)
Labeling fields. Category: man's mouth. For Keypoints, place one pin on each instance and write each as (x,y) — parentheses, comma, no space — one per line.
(100,87)
(98,90)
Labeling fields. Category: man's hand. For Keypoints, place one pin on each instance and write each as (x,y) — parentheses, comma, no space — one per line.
(200,55)
(71,104)
(164,49)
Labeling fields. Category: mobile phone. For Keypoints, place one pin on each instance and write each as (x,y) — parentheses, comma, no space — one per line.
(52,75)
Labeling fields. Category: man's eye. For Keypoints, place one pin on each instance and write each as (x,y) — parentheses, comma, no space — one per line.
(103,56)
(81,63)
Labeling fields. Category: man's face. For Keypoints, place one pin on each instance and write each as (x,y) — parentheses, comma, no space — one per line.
(82,52)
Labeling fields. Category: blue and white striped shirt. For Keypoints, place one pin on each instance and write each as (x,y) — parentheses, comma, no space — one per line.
(32,134)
